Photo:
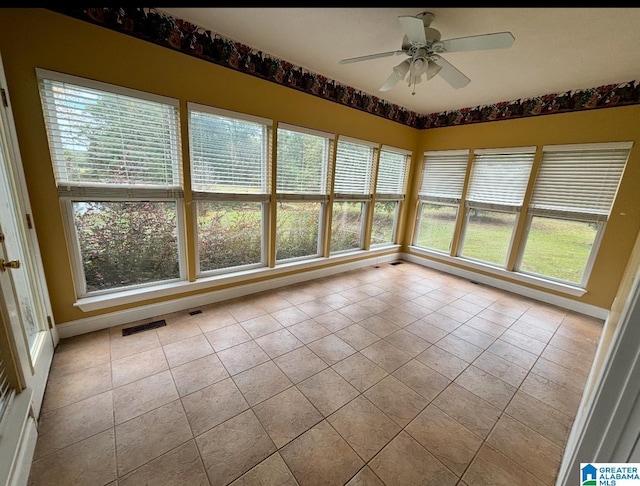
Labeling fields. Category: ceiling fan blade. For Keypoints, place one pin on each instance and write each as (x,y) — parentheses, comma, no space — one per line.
(499,40)
(413,28)
(391,81)
(370,56)
(451,74)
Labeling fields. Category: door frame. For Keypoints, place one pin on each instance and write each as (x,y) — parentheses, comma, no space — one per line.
(19,427)
(26,364)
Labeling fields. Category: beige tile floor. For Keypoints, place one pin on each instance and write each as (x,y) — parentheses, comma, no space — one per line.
(385,375)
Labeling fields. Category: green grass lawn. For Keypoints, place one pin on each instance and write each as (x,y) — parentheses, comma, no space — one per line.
(488,236)
(555,248)
(558,248)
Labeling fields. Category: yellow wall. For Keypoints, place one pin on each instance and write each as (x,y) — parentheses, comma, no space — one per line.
(31,38)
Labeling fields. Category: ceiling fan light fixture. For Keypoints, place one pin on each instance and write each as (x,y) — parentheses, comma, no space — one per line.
(402,69)
(419,64)
(433,70)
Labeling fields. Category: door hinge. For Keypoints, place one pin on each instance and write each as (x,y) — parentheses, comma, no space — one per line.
(29,223)
(5,101)
(50,322)
(1,237)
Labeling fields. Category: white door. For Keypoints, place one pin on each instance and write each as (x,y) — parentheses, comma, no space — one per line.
(24,301)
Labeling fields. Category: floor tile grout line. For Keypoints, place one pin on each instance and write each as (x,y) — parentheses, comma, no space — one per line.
(412,357)
(325,418)
(372,385)
(504,412)
(421,411)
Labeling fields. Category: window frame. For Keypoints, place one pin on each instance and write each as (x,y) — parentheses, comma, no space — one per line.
(321,197)
(365,198)
(588,264)
(420,221)
(70,193)
(263,197)
(398,198)
(450,200)
(584,217)
(394,228)
(363,217)
(75,255)
(512,238)
(514,208)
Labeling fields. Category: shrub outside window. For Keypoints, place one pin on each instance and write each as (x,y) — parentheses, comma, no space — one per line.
(346,225)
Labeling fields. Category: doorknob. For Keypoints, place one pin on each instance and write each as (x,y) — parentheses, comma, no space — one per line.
(10,264)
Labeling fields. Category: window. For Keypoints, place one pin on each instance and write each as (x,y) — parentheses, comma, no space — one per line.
(352,191)
(571,201)
(494,198)
(230,155)
(301,187)
(443,175)
(117,164)
(391,186)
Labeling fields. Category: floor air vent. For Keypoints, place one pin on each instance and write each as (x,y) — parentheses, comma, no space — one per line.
(193,313)
(395,263)
(143,327)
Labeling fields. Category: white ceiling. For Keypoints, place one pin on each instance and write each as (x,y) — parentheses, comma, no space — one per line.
(555,49)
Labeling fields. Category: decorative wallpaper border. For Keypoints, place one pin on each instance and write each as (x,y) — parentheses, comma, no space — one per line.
(151,25)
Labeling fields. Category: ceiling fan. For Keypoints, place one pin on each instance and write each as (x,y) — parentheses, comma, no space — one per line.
(423,46)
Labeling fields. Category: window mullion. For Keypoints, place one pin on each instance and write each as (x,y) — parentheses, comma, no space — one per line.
(74,247)
(523,222)
(370,206)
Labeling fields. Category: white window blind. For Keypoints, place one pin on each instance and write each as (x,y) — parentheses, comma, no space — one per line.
(354,164)
(581,181)
(499,180)
(101,137)
(302,162)
(392,174)
(443,175)
(228,154)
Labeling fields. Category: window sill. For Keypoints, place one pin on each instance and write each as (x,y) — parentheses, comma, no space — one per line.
(500,272)
(173,289)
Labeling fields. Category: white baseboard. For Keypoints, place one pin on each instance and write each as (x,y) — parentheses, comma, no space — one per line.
(96,323)
(570,304)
